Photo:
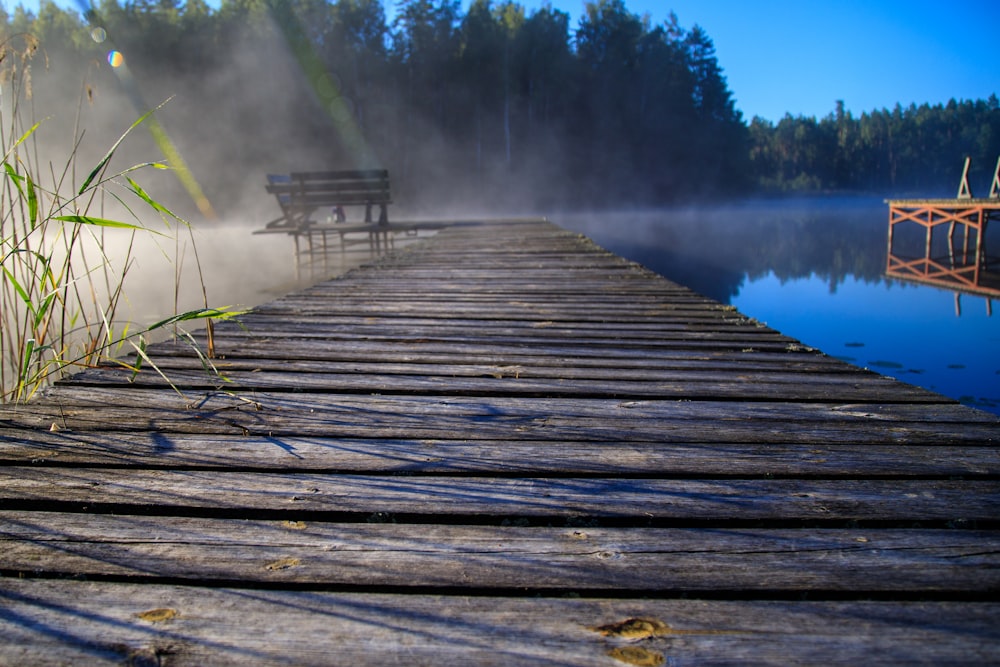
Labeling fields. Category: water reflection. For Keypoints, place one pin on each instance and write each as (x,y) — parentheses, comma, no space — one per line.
(815,270)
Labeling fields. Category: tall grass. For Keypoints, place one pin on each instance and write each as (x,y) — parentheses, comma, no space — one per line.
(61,287)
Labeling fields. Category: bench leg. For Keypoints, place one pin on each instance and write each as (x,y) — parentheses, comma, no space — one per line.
(326,254)
(297,256)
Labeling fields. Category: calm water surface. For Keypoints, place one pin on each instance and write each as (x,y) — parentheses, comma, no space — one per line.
(814,270)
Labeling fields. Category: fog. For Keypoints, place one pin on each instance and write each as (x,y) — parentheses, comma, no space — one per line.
(715,249)
(258,107)
(257,96)
(84,108)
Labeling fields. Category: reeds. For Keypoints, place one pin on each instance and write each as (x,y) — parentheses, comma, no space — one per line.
(61,285)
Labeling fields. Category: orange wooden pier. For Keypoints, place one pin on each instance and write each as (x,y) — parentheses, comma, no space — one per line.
(944,261)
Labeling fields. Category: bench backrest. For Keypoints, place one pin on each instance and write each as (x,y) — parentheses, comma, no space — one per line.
(301,193)
(330,188)
(284,199)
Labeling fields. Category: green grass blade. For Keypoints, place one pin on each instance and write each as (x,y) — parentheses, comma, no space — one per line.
(206,363)
(32,201)
(157,206)
(29,350)
(99,222)
(199,314)
(140,349)
(24,137)
(107,156)
(43,309)
(14,176)
(21,292)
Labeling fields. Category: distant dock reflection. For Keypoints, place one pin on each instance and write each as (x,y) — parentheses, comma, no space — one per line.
(943,242)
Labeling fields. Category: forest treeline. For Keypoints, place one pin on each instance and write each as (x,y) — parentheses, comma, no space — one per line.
(519,108)
(917,149)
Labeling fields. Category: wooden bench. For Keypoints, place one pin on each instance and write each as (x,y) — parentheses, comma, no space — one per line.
(301,195)
(312,206)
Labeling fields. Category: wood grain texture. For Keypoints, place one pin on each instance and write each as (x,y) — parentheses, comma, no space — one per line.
(278,414)
(665,458)
(467,498)
(644,561)
(499,445)
(66,622)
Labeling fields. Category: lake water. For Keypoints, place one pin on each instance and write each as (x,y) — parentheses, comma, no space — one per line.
(814,269)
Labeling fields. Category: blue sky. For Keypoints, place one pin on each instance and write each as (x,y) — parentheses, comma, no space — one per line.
(800,56)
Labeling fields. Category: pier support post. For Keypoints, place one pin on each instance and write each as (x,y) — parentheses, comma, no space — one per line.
(995,186)
(963,187)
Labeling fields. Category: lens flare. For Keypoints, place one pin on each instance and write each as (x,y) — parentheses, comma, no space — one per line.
(327,86)
(159,134)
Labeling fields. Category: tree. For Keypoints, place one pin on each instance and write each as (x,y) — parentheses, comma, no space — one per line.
(481,73)
(543,66)
(720,132)
(356,51)
(607,44)
(425,48)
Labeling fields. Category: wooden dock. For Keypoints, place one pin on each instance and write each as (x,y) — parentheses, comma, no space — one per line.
(502,445)
(936,259)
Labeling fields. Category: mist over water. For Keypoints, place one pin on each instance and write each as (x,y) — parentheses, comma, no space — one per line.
(239,269)
(814,269)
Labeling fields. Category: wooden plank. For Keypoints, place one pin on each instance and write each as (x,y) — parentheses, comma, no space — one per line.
(483,558)
(499,417)
(410,303)
(522,382)
(398,309)
(99,623)
(483,498)
(417,349)
(502,323)
(746,336)
(502,457)
(378,359)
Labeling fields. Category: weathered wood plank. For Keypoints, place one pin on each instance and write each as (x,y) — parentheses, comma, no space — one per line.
(497,417)
(430,351)
(690,337)
(97,623)
(426,556)
(504,457)
(523,329)
(479,498)
(786,366)
(343,297)
(480,304)
(687,384)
